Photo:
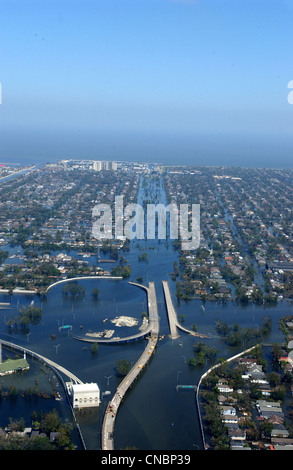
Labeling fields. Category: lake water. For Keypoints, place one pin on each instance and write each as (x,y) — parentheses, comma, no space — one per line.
(153,415)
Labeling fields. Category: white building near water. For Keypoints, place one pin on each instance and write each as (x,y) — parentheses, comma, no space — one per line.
(84,395)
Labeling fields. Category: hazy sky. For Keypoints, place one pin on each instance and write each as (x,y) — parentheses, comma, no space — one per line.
(201,81)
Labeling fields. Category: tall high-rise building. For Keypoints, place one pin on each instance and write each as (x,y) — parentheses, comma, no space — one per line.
(104,165)
(97,166)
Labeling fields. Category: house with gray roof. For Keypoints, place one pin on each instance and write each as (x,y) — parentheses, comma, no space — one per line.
(268,408)
(279,430)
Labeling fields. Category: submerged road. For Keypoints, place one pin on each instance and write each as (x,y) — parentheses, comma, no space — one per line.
(152,326)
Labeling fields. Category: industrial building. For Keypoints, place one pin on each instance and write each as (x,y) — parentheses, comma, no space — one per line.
(84,395)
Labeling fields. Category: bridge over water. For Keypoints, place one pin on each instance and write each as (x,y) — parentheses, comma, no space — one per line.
(81,278)
(111,411)
(153,331)
(172,316)
(57,369)
(44,359)
(152,335)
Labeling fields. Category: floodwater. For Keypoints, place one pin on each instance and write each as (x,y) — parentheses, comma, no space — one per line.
(153,415)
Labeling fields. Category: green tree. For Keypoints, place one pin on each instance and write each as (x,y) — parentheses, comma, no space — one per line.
(192,362)
(50,422)
(95,293)
(123,367)
(63,437)
(39,443)
(94,348)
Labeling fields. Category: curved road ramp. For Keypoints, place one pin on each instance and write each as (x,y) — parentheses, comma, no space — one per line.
(113,405)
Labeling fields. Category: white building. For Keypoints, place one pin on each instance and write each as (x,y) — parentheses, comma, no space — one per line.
(223,388)
(97,166)
(104,165)
(84,395)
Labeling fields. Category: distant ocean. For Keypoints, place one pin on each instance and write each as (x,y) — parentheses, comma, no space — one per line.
(191,150)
